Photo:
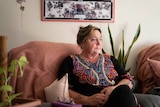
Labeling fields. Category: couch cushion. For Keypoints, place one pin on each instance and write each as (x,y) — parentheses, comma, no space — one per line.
(58,90)
(144,73)
(147,100)
(44,61)
(155,65)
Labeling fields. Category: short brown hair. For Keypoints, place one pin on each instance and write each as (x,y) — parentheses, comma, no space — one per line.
(84,33)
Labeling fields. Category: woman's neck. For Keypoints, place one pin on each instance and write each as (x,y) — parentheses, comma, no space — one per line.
(90,57)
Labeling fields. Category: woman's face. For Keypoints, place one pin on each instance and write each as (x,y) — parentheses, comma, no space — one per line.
(93,44)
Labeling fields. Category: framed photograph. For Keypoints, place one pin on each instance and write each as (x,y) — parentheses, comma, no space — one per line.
(78,10)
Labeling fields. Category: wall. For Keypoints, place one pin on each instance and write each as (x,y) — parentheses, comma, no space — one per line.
(128,14)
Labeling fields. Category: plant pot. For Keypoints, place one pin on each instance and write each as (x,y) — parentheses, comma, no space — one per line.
(21,102)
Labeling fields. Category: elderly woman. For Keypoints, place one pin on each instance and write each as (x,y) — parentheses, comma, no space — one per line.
(96,79)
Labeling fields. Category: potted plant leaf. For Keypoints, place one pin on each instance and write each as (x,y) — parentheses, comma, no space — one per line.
(6,88)
(122,54)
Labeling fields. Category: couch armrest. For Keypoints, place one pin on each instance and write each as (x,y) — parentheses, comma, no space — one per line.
(148,100)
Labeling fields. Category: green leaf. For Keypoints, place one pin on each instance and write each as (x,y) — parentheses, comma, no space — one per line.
(2,70)
(22,61)
(12,66)
(123,52)
(6,88)
(111,40)
(120,57)
(133,41)
(2,104)
(13,96)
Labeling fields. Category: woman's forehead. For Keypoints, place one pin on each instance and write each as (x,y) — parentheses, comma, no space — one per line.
(95,33)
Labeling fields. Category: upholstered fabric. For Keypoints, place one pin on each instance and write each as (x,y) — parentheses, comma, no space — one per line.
(148,100)
(144,71)
(155,65)
(44,60)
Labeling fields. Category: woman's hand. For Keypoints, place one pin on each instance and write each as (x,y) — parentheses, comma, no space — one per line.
(96,100)
(107,91)
(126,82)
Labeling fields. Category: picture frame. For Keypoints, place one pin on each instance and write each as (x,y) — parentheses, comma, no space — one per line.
(78,10)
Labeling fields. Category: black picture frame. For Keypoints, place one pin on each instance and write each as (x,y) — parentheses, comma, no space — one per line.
(78,10)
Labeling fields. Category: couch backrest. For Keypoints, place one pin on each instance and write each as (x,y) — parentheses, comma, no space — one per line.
(44,61)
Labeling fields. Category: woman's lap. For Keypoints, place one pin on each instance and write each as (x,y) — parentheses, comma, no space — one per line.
(122,96)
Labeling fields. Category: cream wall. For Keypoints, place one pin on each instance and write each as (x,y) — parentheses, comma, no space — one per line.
(128,14)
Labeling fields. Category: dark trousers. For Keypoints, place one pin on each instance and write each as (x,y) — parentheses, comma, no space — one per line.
(122,96)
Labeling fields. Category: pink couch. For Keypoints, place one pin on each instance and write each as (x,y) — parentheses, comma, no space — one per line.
(44,60)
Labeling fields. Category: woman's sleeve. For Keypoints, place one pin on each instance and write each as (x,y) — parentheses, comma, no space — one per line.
(117,66)
(65,67)
(121,71)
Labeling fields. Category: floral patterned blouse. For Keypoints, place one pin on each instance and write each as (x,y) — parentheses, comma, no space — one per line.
(89,78)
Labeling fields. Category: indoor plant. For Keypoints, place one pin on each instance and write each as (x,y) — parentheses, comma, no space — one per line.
(122,54)
(6,88)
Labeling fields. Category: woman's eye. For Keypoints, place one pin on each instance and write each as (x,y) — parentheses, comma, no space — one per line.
(93,39)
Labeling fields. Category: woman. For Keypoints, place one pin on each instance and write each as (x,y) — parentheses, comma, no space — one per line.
(96,79)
